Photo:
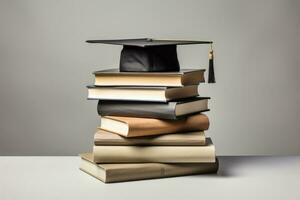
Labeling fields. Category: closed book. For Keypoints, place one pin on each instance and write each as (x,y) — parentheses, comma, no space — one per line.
(196,138)
(159,154)
(113,77)
(161,110)
(135,127)
(156,94)
(109,173)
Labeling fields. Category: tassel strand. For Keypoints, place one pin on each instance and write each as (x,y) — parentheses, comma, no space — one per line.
(211,72)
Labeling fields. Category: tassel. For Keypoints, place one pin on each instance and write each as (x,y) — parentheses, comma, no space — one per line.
(211,72)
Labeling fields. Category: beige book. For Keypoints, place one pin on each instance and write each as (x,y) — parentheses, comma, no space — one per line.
(113,77)
(159,154)
(134,127)
(196,138)
(153,94)
(110,173)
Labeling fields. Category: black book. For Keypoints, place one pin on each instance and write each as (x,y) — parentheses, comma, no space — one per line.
(169,110)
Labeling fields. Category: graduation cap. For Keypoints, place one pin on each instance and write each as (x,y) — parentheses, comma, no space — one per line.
(154,55)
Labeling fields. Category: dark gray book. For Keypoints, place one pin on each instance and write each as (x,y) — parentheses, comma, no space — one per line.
(169,110)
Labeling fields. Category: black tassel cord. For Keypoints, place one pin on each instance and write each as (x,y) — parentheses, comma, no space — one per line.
(211,72)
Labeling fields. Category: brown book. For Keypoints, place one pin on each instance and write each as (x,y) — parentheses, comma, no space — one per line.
(197,138)
(110,173)
(158,154)
(133,127)
(113,77)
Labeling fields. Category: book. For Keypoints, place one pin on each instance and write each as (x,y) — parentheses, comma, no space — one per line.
(157,94)
(196,138)
(159,154)
(134,127)
(113,77)
(161,110)
(110,173)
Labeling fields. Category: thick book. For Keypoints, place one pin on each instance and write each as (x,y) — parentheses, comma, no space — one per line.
(160,110)
(105,138)
(110,173)
(156,94)
(135,127)
(113,77)
(158,154)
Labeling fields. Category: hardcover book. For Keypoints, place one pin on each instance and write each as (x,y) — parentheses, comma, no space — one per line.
(169,110)
(197,138)
(109,173)
(158,154)
(113,77)
(134,127)
(157,94)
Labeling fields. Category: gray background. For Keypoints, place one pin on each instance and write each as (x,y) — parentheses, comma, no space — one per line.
(45,66)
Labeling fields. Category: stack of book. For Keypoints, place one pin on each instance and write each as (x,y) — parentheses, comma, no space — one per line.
(152,126)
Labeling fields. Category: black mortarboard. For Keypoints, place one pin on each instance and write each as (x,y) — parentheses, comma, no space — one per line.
(151,55)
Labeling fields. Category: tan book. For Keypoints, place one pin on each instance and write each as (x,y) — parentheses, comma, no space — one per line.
(113,77)
(134,127)
(159,154)
(110,173)
(153,94)
(107,138)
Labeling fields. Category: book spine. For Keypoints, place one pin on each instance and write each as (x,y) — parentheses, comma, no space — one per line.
(137,109)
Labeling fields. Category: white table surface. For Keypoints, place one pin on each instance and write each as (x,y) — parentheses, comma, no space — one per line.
(238,177)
